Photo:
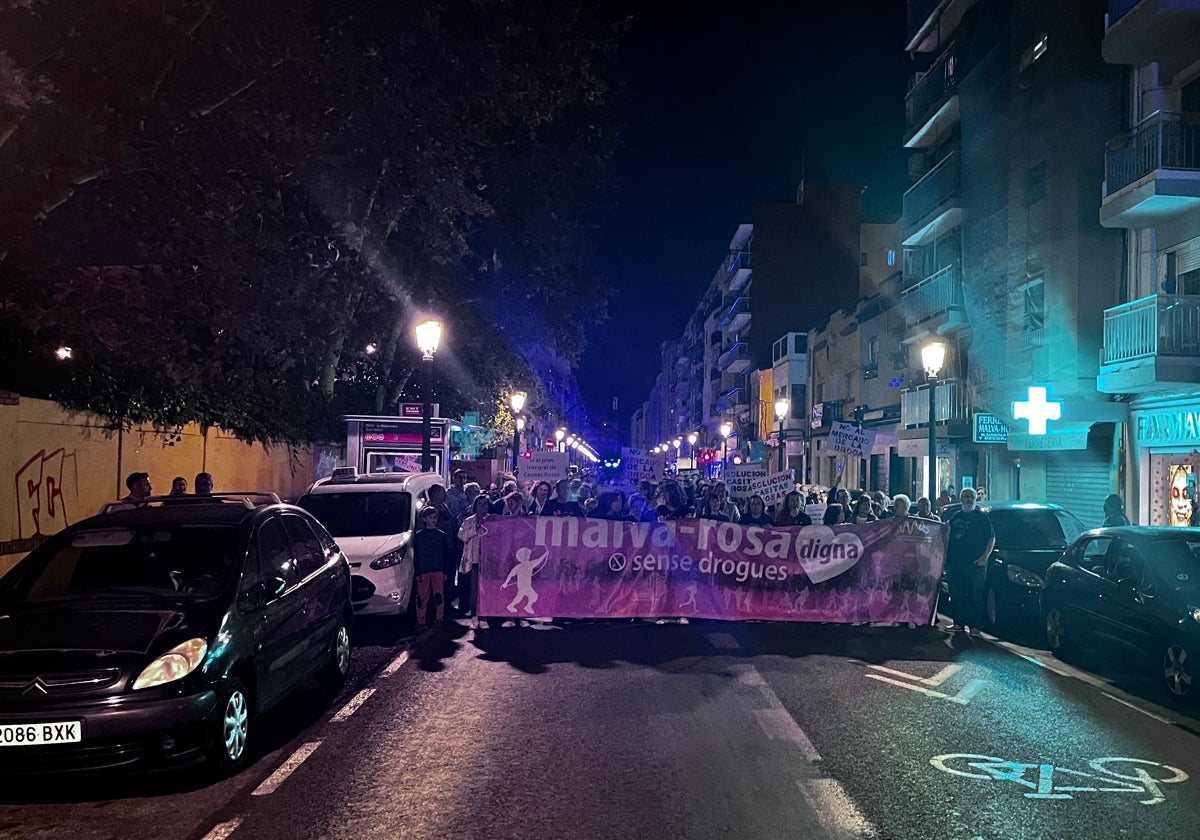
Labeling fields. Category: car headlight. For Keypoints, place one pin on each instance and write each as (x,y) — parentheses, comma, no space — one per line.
(1023,577)
(393,557)
(173,665)
(1194,612)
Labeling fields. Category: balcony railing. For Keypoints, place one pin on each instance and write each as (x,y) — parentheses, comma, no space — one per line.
(925,90)
(937,293)
(952,400)
(739,352)
(732,400)
(1164,140)
(1158,325)
(736,317)
(939,185)
(1117,9)
(741,260)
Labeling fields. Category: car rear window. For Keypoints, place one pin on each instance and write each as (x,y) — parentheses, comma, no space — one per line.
(373,514)
(181,559)
(1029,530)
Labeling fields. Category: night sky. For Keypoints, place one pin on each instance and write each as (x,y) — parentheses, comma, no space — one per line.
(726,105)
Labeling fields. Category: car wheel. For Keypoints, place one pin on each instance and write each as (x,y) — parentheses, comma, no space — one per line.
(332,675)
(991,608)
(1177,671)
(1057,639)
(231,728)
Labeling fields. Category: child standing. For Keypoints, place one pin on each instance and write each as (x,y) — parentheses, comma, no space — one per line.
(429,555)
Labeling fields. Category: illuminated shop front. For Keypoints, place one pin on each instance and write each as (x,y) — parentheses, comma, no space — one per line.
(1167,438)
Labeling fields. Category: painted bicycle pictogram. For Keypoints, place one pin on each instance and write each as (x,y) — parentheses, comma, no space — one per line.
(1046,781)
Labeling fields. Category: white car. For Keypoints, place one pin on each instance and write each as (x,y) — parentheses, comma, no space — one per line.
(372,518)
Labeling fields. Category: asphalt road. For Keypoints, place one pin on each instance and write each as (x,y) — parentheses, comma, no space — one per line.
(624,730)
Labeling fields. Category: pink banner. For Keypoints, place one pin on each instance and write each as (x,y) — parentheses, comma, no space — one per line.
(567,567)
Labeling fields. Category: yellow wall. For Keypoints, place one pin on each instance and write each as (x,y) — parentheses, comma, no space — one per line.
(64,466)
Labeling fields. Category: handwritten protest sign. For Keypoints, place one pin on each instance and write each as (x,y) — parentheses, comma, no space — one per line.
(738,479)
(773,487)
(843,437)
(641,465)
(545,466)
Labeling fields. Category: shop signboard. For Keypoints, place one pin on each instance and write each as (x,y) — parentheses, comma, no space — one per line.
(988,428)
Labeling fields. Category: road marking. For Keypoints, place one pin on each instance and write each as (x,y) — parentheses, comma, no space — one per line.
(918,684)
(286,769)
(396,664)
(223,830)
(1136,707)
(723,641)
(835,809)
(352,707)
(748,675)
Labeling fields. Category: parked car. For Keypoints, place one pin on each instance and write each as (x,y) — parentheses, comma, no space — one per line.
(157,633)
(1133,589)
(372,516)
(1029,537)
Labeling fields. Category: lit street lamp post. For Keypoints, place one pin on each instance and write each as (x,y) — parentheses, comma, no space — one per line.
(726,431)
(933,355)
(678,442)
(559,434)
(516,401)
(781,412)
(692,438)
(429,335)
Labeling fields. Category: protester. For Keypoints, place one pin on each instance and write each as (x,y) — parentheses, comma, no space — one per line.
(514,504)
(640,510)
(448,525)
(835,514)
(456,495)
(756,512)
(429,559)
(562,504)
(1114,511)
(610,504)
(541,497)
(900,505)
(944,498)
(970,543)
(728,506)
(471,490)
(712,506)
(924,511)
(179,486)
(791,511)
(469,534)
(138,485)
(672,504)
(880,498)
(861,511)
(203,484)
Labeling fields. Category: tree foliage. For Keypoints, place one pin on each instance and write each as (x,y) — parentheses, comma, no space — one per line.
(220,204)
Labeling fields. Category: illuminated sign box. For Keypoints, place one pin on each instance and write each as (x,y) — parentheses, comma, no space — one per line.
(988,428)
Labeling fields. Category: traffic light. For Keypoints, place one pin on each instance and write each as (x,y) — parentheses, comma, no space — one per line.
(707,456)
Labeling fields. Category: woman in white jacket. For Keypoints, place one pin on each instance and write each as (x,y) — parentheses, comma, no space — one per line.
(469,533)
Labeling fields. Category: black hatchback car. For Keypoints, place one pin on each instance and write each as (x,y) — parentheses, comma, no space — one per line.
(155,634)
(1134,589)
(1029,537)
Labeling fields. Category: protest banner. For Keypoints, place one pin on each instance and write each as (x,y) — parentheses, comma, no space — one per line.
(843,437)
(641,465)
(545,466)
(739,478)
(772,487)
(572,567)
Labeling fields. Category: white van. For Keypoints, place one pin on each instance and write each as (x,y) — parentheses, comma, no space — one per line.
(372,518)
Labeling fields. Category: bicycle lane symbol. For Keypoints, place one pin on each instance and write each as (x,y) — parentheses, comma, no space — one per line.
(1144,777)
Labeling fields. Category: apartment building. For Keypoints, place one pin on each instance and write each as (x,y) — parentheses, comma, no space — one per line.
(1151,198)
(1004,258)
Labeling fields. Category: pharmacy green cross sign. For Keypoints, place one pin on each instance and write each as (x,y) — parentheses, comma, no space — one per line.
(1037,410)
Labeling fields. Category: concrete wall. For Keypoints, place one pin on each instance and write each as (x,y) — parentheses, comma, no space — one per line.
(62,467)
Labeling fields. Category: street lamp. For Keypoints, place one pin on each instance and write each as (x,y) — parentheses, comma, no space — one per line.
(516,401)
(692,438)
(678,442)
(726,431)
(559,434)
(782,407)
(429,335)
(933,355)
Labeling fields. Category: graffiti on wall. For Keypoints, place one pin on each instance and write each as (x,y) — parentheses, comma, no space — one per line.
(46,483)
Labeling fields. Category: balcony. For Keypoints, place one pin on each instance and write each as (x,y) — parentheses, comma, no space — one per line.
(733,400)
(935,304)
(1163,31)
(740,269)
(931,105)
(736,318)
(932,205)
(1154,176)
(932,22)
(953,404)
(1151,344)
(737,359)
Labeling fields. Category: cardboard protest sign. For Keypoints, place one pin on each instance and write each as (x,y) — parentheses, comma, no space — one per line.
(739,478)
(844,437)
(546,466)
(641,465)
(772,487)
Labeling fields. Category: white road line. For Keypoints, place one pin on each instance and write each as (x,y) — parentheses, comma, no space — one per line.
(835,809)
(748,675)
(1136,708)
(779,725)
(223,830)
(937,679)
(286,769)
(352,707)
(723,641)
(395,665)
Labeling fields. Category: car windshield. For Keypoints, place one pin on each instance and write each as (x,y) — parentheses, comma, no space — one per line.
(374,514)
(176,559)
(1033,528)
(1178,561)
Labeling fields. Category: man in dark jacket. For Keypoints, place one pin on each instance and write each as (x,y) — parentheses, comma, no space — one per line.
(970,543)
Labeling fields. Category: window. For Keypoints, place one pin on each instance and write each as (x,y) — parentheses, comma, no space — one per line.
(797,399)
(1032,313)
(863,259)
(891,256)
(1091,559)
(871,363)
(1035,183)
(310,556)
(274,554)
(800,343)
(1125,563)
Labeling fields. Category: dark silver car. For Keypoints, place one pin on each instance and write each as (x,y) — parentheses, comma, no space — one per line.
(1133,589)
